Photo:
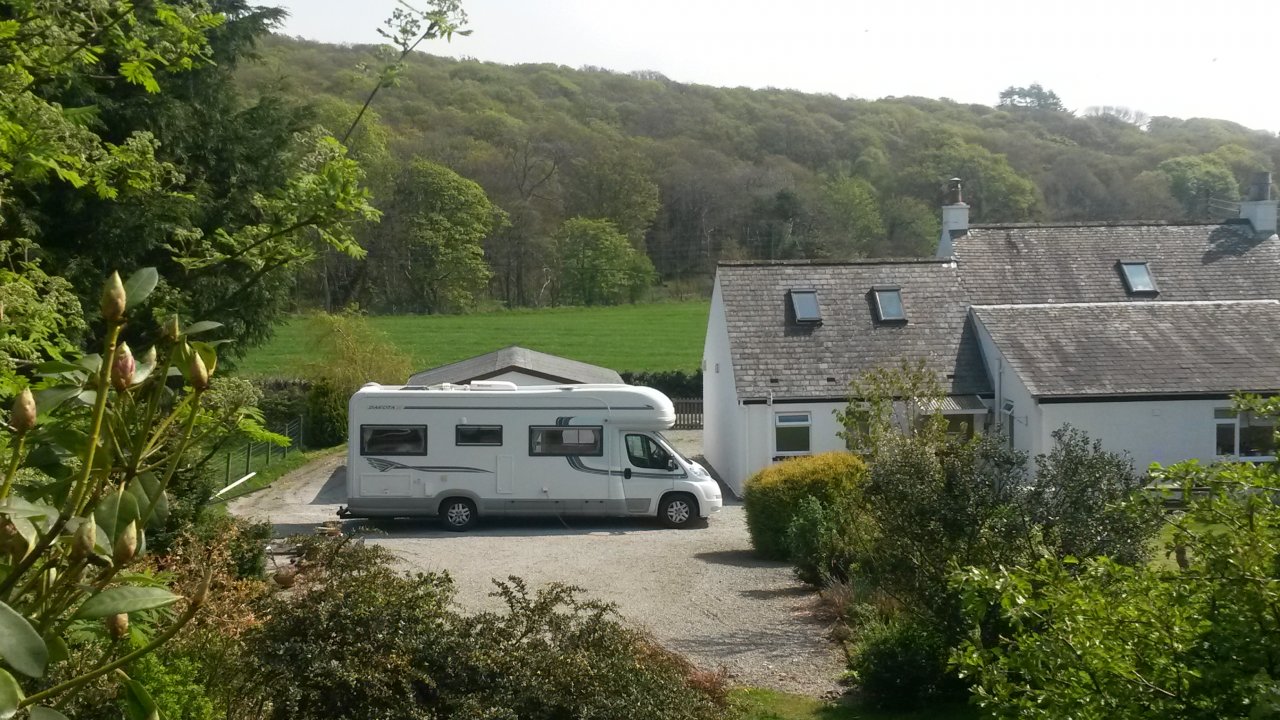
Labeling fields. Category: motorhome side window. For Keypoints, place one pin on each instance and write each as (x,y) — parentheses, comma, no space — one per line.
(478,435)
(643,452)
(393,439)
(561,440)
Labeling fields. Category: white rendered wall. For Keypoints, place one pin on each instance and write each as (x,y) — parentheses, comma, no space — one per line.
(1163,431)
(1027,420)
(760,447)
(723,420)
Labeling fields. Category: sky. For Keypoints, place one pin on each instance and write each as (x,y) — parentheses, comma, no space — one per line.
(1175,57)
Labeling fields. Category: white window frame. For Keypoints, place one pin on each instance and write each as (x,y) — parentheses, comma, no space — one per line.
(1234,421)
(779,422)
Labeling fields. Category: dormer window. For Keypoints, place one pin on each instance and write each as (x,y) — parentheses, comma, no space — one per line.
(1138,279)
(889,306)
(804,304)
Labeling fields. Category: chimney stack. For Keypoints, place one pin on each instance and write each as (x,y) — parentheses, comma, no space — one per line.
(955,218)
(1259,209)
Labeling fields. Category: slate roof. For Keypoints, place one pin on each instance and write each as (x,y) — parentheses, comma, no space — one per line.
(515,358)
(1141,348)
(1006,264)
(773,354)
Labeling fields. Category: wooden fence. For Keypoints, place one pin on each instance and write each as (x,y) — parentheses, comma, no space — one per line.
(688,413)
(255,456)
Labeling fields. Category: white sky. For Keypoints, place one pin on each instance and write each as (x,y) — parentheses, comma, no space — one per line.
(1174,57)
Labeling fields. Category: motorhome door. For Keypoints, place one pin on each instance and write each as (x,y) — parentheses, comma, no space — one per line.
(648,471)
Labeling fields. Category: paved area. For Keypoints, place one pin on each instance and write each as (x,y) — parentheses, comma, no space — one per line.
(700,591)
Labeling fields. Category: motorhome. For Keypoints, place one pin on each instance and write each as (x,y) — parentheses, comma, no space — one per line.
(491,448)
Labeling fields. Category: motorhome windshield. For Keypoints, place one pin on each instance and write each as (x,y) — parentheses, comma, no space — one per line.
(671,447)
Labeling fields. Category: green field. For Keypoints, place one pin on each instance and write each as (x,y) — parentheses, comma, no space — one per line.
(656,336)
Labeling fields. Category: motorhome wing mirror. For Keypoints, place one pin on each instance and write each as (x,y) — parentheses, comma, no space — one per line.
(671,464)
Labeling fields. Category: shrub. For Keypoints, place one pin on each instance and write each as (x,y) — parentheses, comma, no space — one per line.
(283,400)
(773,496)
(326,419)
(672,383)
(901,663)
(1102,639)
(825,541)
(1087,501)
(356,639)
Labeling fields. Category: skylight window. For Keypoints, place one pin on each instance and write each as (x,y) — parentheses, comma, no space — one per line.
(805,305)
(889,306)
(1138,279)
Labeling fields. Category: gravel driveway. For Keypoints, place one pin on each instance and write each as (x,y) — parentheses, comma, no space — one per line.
(700,591)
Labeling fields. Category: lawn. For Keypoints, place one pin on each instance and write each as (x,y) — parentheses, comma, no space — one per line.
(759,704)
(655,336)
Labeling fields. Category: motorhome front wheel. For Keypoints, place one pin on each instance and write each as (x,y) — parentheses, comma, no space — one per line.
(678,511)
(459,514)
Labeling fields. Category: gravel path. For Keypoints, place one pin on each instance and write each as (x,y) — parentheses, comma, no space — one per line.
(700,591)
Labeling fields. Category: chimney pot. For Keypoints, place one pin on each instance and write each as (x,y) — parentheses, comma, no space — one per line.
(955,218)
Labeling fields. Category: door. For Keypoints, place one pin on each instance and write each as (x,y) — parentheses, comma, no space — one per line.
(648,471)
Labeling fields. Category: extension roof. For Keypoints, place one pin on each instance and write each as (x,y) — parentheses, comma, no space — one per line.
(1139,348)
(516,359)
(774,356)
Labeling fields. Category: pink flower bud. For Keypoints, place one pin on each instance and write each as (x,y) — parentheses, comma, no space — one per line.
(123,367)
(199,373)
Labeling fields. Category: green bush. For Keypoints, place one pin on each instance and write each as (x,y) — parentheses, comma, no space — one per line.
(283,400)
(356,639)
(326,419)
(774,495)
(824,541)
(901,663)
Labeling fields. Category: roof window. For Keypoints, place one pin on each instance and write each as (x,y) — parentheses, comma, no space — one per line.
(889,306)
(804,303)
(1138,279)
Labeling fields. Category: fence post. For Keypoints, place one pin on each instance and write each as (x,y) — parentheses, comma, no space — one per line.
(301,443)
(227,479)
(248,456)
(270,447)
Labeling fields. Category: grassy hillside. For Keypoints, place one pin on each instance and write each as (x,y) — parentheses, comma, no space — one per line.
(659,336)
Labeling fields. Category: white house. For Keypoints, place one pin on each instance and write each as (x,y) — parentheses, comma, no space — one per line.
(1137,333)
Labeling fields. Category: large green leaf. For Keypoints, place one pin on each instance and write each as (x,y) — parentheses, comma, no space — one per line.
(125,599)
(20,645)
(41,712)
(138,704)
(10,696)
(143,488)
(139,286)
(16,507)
(114,513)
(198,327)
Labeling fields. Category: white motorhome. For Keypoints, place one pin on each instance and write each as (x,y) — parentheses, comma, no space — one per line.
(491,448)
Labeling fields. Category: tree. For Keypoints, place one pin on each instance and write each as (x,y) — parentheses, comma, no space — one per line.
(849,217)
(596,265)
(1195,181)
(429,251)
(1033,96)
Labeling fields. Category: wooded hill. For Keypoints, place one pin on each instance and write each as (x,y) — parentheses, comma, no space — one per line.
(691,174)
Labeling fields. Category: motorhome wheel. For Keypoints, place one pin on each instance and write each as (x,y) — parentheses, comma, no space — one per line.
(459,514)
(678,511)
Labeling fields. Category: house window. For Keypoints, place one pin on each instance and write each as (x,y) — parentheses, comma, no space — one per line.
(478,435)
(560,440)
(791,433)
(393,439)
(1244,435)
(960,427)
(889,306)
(1138,279)
(804,304)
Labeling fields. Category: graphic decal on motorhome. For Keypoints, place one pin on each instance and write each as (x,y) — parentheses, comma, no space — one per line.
(385,465)
(576,463)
